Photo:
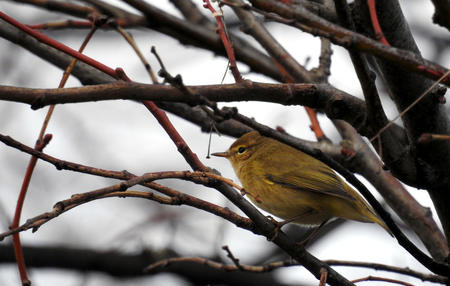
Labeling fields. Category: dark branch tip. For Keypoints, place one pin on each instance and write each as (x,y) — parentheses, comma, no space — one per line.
(99,20)
(59,207)
(438,94)
(59,165)
(178,80)
(120,74)
(228,112)
(425,138)
(112,22)
(335,108)
(123,187)
(38,102)
(177,200)
(126,173)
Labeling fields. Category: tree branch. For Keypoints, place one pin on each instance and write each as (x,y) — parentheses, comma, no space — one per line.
(315,25)
(429,116)
(335,103)
(419,219)
(262,225)
(122,265)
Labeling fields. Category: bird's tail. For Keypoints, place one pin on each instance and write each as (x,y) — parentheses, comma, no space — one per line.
(376,219)
(366,212)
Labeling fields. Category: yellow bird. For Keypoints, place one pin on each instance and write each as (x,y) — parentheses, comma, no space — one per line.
(293,185)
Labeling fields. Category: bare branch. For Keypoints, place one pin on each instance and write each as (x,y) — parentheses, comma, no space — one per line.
(313,24)
(126,265)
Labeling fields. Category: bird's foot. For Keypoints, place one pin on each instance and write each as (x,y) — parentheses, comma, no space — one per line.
(277,228)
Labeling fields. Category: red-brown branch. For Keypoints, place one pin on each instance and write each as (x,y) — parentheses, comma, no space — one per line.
(59,46)
(40,145)
(379,35)
(225,40)
(41,142)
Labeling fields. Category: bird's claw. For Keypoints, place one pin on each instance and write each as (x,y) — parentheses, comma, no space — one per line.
(277,228)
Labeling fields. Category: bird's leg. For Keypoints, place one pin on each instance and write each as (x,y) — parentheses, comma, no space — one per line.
(279,225)
(304,242)
(276,230)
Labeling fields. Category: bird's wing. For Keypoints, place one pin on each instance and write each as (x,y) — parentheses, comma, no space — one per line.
(314,177)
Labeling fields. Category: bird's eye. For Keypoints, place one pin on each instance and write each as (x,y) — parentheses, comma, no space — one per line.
(241,150)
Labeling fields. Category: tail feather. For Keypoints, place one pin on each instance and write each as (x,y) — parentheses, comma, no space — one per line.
(376,219)
(367,213)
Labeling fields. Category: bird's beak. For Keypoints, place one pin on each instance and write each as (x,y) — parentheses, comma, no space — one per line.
(221,154)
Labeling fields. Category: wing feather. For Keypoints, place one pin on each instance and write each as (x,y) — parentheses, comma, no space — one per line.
(304,173)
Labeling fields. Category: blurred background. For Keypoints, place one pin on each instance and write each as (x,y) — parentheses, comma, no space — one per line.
(123,135)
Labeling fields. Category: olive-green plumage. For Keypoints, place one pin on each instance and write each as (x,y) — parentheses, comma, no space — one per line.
(293,185)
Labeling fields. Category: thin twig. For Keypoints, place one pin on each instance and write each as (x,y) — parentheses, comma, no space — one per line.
(203,178)
(289,263)
(322,72)
(383,279)
(129,38)
(390,268)
(428,137)
(379,35)
(232,257)
(72,24)
(220,266)
(16,220)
